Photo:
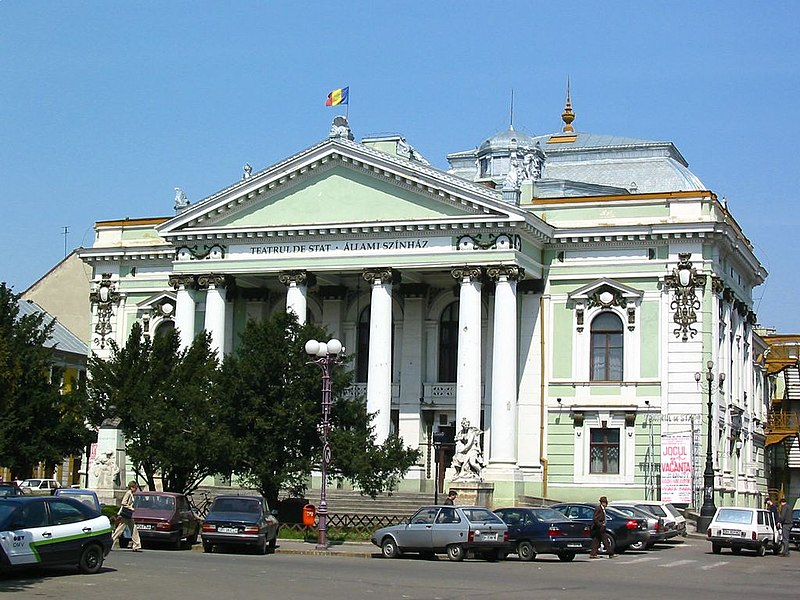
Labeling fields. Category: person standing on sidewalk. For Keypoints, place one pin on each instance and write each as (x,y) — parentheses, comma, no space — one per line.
(598,530)
(785,521)
(125,515)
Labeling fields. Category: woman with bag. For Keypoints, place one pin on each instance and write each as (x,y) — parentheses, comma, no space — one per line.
(125,515)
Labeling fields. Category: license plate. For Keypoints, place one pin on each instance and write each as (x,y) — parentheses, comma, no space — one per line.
(144,526)
(735,532)
(573,546)
(489,537)
(227,530)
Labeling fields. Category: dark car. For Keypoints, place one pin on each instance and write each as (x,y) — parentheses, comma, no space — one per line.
(655,525)
(88,497)
(240,521)
(49,531)
(794,534)
(165,517)
(9,488)
(623,530)
(535,531)
(455,530)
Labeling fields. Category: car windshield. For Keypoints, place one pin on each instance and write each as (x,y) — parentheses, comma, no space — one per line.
(796,513)
(547,514)
(655,509)
(675,512)
(733,515)
(148,502)
(87,499)
(7,490)
(31,482)
(240,505)
(481,515)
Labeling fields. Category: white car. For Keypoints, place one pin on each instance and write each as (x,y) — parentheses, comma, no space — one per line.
(39,487)
(674,521)
(737,527)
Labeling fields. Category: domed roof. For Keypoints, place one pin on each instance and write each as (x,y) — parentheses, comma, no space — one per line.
(506,140)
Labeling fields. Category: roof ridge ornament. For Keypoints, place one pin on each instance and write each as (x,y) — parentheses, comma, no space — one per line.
(340,129)
(568,116)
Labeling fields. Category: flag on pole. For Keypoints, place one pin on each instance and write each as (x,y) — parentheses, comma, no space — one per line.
(337,97)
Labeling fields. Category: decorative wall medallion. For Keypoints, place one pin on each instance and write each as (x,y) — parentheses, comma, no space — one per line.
(105,297)
(606,297)
(684,281)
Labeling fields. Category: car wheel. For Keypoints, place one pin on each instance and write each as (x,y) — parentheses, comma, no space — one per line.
(761,550)
(736,550)
(716,548)
(91,560)
(776,549)
(207,547)
(525,551)
(640,545)
(389,548)
(455,552)
(612,549)
(566,556)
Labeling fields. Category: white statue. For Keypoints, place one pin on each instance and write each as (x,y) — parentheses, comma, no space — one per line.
(105,469)
(181,201)
(468,459)
(248,171)
(514,175)
(531,167)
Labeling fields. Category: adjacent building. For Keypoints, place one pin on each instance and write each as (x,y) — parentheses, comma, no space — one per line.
(562,292)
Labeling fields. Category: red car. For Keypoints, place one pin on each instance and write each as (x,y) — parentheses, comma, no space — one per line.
(165,517)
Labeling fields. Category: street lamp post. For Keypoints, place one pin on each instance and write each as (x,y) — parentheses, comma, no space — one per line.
(325,355)
(438,442)
(709,508)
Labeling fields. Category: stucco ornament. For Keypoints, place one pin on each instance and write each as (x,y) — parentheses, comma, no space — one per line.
(105,469)
(684,281)
(468,460)
(105,297)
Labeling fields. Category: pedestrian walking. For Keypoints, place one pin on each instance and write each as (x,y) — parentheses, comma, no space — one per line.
(451,497)
(785,521)
(125,515)
(598,530)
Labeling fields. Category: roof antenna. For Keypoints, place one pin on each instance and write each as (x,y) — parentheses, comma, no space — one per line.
(511,126)
(568,116)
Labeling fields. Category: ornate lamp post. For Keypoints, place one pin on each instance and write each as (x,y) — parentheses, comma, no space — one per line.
(709,508)
(325,355)
(438,442)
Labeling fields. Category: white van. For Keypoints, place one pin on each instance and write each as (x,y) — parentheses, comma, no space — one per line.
(737,527)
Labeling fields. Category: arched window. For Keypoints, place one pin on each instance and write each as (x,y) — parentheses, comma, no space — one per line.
(362,350)
(606,348)
(448,343)
(165,328)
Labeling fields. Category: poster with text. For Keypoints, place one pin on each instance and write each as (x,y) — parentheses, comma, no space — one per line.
(676,469)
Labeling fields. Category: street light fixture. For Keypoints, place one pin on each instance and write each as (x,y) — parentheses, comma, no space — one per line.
(438,442)
(325,355)
(709,508)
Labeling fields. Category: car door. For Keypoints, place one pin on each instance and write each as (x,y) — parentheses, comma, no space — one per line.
(68,527)
(448,528)
(27,529)
(419,531)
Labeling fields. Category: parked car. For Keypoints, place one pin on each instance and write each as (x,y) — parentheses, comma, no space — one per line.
(794,534)
(163,517)
(39,487)
(88,497)
(623,530)
(655,525)
(740,528)
(533,531)
(240,521)
(43,530)
(9,488)
(454,530)
(674,521)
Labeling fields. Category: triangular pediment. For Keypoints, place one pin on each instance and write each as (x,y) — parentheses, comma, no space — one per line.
(341,183)
(605,292)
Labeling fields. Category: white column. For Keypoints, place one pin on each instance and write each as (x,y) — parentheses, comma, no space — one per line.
(215,310)
(184,307)
(468,371)
(379,375)
(412,352)
(296,293)
(504,365)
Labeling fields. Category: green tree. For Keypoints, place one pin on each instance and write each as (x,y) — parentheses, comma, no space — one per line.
(164,400)
(37,423)
(272,402)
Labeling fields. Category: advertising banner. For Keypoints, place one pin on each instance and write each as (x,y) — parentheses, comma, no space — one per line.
(676,469)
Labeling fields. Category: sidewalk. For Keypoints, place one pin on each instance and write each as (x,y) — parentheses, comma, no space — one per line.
(352,549)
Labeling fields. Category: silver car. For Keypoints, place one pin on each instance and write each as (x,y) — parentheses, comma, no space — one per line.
(454,530)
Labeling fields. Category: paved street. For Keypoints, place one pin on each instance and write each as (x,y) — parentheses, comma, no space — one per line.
(684,570)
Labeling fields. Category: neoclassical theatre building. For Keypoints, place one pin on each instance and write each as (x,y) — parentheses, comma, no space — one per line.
(562,292)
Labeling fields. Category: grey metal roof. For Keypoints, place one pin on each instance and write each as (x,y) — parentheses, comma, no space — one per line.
(61,338)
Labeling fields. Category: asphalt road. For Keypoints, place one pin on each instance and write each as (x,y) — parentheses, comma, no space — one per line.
(684,570)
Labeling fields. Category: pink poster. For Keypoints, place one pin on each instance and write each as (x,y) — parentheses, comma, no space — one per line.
(676,469)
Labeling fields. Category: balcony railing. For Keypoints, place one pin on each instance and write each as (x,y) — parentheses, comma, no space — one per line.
(781,425)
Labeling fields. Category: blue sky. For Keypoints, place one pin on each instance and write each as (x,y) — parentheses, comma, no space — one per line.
(106,107)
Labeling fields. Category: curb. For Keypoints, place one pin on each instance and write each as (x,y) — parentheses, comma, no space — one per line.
(337,552)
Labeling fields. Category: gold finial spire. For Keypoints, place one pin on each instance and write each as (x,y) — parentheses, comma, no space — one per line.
(568,116)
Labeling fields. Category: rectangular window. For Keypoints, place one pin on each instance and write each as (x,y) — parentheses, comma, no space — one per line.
(604,450)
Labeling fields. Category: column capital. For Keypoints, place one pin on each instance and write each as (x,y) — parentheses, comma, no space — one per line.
(379,275)
(209,279)
(510,272)
(178,280)
(297,277)
(471,273)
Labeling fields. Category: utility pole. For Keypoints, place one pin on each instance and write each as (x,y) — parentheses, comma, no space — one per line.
(64,232)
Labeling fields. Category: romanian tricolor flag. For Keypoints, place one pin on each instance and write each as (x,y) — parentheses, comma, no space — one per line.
(337,97)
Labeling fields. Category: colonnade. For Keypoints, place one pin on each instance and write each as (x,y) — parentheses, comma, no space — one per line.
(470,279)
